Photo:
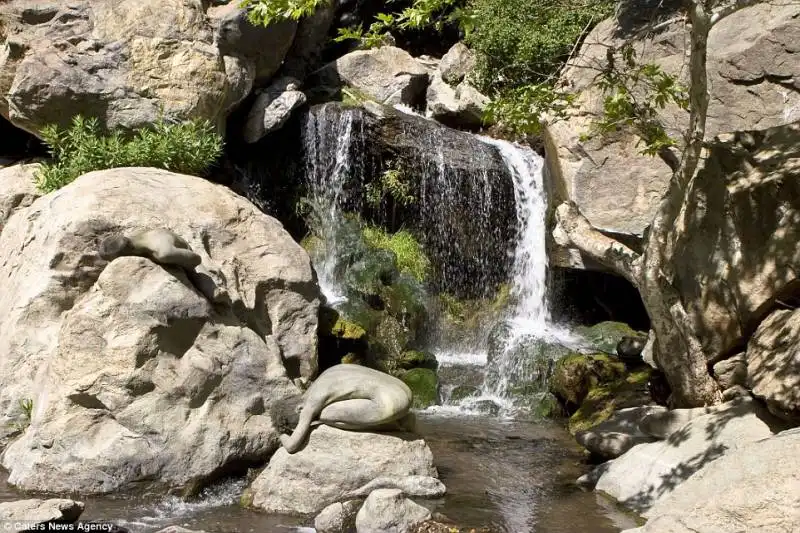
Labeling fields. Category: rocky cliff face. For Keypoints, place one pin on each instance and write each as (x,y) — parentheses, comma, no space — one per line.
(753,69)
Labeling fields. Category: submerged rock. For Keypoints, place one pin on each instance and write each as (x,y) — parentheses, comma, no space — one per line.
(133,374)
(334,463)
(388,511)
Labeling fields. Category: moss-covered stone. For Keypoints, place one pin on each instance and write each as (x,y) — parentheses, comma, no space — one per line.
(604,336)
(417,359)
(372,272)
(311,244)
(390,339)
(424,384)
(548,406)
(331,323)
(576,374)
(603,399)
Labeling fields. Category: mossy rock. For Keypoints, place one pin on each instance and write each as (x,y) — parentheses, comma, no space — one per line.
(404,299)
(602,400)
(605,336)
(533,361)
(389,339)
(332,324)
(424,384)
(417,359)
(576,374)
(358,312)
(311,244)
(462,392)
(548,406)
(368,275)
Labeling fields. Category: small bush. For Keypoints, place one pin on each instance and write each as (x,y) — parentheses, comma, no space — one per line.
(188,147)
(411,259)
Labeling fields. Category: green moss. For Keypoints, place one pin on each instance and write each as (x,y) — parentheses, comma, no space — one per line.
(352,97)
(424,384)
(311,243)
(604,336)
(334,325)
(416,359)
(463,391)
(411,259)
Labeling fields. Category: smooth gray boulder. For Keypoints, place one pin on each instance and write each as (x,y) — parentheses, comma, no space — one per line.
(387,74)
(339,517)
(272,108)
(773,363)
(649,472)
(41,511)
(133,373)
(456,64)
(459,106)
(389,511)
(755,487)
(333,464)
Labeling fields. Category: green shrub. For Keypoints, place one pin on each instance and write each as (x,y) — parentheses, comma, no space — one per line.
(266,12)
(188,148)
(411,259)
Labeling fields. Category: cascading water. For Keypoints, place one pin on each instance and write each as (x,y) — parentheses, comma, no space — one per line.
(332,140)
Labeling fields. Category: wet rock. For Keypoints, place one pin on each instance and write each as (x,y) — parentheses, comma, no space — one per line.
(759,481)
(424,384)
(618,434)
(334,463)
(272,108)
(773,363)
(387,74)
(456,64)
(132,373)
(731,372)
(41,511)
(338,517)
(647,473)
(388,511)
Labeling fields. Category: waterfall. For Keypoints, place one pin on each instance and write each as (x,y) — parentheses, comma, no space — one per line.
(332,142)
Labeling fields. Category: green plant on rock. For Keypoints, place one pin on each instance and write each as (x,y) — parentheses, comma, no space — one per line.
(267,12)
(392,183)
(411,258)
(24,420)
(188,148)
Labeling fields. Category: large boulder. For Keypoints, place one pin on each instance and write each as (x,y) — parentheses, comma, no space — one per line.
(126,62)
(753,488)
(457,63)
(389,511)
(735,246)
(272,108)
(387,74)
(649,472)
(333,464)
(459,106)
(773,363)
(751,63)
(133,373)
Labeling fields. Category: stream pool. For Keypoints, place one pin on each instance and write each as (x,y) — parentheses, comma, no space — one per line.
(512,476)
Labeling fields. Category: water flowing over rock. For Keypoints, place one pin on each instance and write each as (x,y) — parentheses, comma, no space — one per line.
(773,364)
(755,487)
(751,63)
(125,62)
(388,511)
(133,374)
(333,463)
